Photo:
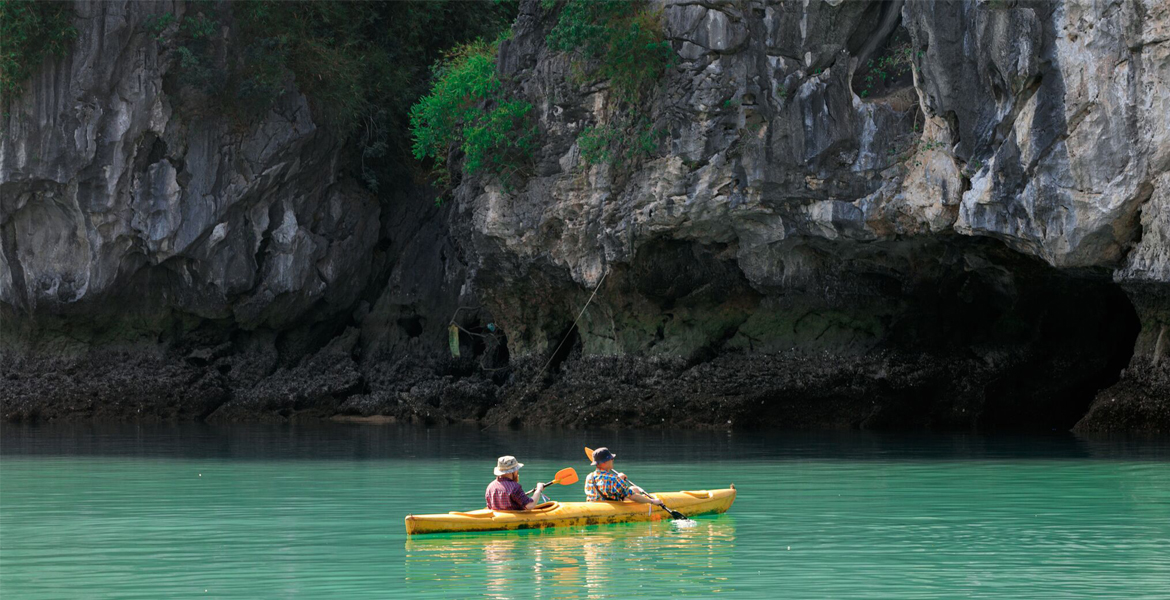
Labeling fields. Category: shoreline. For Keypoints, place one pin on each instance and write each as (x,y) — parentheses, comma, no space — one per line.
(793,391)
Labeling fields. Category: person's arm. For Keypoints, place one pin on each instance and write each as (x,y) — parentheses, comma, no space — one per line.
(644,499)
(533,502)
(636,493)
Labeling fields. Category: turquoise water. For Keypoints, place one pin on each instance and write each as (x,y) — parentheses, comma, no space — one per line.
(316,512)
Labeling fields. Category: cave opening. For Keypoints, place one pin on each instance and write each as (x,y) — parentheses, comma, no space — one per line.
(1085,331)
(412,326)
(563,344)
(886,63)
(1038,342)
(946,334)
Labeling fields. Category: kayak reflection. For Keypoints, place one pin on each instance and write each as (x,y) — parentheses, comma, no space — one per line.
(577,562)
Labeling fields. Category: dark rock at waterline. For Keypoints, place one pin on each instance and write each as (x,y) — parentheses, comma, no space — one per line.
(798,390)
(1138,403)
(1140,400)
(787,390)
(315,387)
(112,386)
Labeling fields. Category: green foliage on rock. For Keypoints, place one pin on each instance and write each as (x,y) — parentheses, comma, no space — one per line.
(622,140)
(594,143)
(467,109)
(890,67)
(624,37)
(622,42)
(30,31)
(325,45)
(193,43)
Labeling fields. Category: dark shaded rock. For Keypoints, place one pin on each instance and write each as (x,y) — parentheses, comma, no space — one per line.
(1139,403)
(110,386)
(117,206)
(312,389)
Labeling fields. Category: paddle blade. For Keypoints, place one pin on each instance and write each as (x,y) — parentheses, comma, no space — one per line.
(589,453)
(566,476)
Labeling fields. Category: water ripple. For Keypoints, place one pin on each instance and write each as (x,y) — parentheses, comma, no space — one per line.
(886,517)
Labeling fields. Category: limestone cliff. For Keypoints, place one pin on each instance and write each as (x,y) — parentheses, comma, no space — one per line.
(119,208)
(858,214)
(971,206)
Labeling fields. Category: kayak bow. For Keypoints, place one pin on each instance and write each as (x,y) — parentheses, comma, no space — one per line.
(569,514)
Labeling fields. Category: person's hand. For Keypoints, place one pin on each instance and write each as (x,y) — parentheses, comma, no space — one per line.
(659,503)
(539,488)
(621,476)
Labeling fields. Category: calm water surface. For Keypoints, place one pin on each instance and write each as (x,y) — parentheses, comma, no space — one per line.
(316,512)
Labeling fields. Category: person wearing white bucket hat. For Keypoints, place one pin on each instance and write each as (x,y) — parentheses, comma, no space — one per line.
(505,492)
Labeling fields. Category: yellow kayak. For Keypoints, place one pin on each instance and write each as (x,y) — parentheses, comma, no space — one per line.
(568,514)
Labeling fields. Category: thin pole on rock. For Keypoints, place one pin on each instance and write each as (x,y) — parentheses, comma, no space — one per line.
(563,340)
(573,326)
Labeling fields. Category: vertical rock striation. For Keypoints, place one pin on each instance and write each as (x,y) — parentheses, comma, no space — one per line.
(134,219)
(109,190)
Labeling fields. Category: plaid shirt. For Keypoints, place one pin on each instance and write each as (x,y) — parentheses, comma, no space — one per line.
(505,494)
(605,485)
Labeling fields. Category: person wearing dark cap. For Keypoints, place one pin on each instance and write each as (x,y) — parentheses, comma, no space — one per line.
(505,492)
(606,484)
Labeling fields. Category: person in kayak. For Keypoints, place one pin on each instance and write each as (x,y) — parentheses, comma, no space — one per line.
(505,492)
(607,484)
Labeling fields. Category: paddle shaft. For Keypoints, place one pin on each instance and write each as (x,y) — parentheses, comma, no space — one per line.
(674,514)
(545,485)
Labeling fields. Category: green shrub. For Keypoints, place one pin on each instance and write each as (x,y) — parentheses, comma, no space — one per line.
(891,66)
(624,37)
(361,64)
(595,142)
(623,43)
(260,78)
(645,141)
(192,41)
(467,109)
(29,32)
(625,140)
(325,45)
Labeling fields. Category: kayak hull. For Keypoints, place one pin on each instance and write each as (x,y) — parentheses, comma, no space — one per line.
(571,514)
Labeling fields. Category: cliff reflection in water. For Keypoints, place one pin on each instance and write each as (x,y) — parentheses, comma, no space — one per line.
(579,562)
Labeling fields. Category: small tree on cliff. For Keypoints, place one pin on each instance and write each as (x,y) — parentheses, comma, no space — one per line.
(467,110)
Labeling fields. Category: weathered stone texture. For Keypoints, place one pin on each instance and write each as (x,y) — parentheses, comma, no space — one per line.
(1040,125)
(104,183)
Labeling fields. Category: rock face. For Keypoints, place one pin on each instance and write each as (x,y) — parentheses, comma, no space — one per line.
(119,208)
(859,214)
(160,260)
(797,202)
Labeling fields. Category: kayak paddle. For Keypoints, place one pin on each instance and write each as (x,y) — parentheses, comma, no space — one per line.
(566,476)
(674,514)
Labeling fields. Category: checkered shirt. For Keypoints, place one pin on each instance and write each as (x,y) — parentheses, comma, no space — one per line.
(605,485)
